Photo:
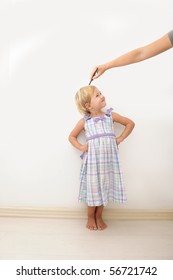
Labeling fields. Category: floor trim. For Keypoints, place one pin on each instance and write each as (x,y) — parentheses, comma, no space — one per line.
(73,213)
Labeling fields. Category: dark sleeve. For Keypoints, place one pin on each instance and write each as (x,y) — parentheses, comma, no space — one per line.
(170,34)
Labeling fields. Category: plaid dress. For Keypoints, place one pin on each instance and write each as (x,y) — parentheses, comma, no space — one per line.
(100,175)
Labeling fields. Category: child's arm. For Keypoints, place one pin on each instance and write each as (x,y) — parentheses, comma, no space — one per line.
(74,134)
(129,125)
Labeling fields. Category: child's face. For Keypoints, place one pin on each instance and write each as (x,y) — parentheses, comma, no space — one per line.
(97,100)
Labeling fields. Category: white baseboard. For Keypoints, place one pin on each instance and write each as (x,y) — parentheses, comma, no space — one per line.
(73,213)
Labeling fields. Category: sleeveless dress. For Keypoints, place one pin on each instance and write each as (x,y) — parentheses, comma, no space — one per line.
(100,175)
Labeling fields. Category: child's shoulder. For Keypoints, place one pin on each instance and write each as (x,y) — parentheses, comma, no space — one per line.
(81,122)
(115,116)
(109,111)
(79,126)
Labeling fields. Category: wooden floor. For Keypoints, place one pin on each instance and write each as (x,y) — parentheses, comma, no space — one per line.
(68,239)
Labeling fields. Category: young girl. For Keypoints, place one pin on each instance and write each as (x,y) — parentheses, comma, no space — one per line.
(100,176)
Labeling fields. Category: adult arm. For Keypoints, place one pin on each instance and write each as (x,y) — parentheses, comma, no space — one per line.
(137,55)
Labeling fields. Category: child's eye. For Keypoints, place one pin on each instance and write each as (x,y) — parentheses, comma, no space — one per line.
(98,94)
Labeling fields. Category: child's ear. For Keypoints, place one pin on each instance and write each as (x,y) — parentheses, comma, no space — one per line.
(87,105)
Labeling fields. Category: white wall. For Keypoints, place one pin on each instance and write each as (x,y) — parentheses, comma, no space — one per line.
(47,51)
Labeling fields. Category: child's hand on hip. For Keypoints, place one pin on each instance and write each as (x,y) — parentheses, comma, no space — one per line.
(119,140)
(84,148)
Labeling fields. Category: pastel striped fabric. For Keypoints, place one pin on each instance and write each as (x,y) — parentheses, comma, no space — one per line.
(100,176)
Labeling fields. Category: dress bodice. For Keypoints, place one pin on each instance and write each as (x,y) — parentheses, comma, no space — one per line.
(99,126)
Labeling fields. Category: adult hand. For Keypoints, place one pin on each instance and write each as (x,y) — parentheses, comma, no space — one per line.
(100,70)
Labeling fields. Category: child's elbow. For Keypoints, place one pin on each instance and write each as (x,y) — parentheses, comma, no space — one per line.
(132,124)
(69,138)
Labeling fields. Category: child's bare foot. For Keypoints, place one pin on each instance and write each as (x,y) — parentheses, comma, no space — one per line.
(99,221)
(100,224)
(91,224)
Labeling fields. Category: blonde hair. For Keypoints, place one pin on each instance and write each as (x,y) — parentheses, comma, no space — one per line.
(82,97)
